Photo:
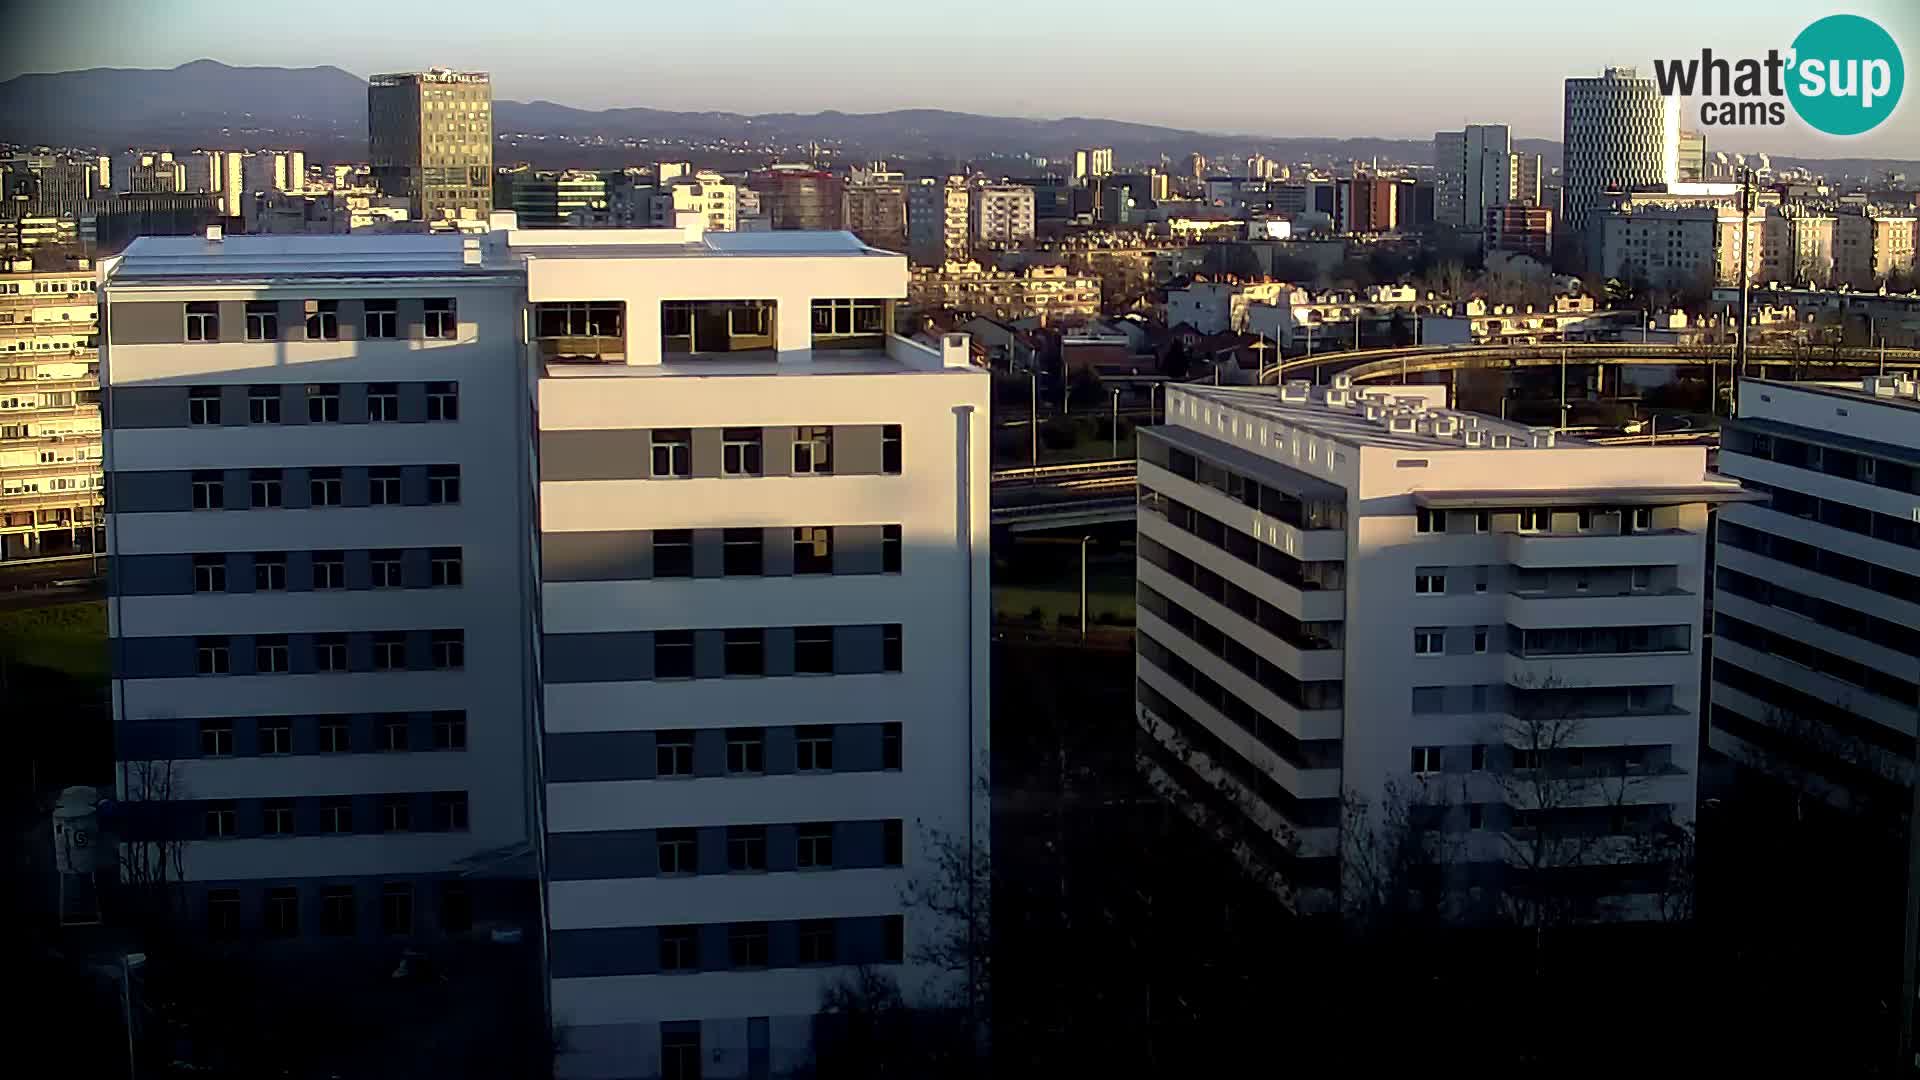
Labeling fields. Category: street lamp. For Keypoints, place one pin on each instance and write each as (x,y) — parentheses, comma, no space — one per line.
(1033,414)
(1084,541)
(1116,422)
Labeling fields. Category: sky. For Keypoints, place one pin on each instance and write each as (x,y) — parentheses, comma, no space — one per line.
(1390,68)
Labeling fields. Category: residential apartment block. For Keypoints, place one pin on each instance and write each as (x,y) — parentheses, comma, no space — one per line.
(1037,292)
(1356,592)
(937,221)
(1817,595)
(643,562)
(49,413)
(1002,214)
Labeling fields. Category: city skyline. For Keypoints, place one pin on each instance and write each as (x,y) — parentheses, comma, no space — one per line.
(751,57)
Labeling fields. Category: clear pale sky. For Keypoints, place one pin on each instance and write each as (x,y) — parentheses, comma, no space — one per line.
(1397,68)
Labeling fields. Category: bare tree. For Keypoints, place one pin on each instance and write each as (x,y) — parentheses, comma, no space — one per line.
(1397,860)
(151,857)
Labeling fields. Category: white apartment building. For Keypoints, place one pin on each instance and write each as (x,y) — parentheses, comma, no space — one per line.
(705,193)
(320,617)
(1214,307)
(49,413)
(1620,133)
(1342,588)
(1817,595)
(1002,214)
(651,548)
(937,221)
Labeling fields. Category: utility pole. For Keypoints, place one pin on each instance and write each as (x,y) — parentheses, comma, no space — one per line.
(1084,541)
(1563,389)
(1033,414)
(1746,277)
(1116,422)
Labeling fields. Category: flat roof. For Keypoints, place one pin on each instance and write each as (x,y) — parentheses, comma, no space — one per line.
(661,244)
(1477,498)
(761,363)
(1350,425)
(187,258)
(1851,391)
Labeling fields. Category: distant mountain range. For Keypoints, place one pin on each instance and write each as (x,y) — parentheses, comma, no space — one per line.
(323,109)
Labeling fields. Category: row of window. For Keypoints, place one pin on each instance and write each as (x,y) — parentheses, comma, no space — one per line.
(1301,635)
(1833,564)
(1841,515)
(1275,679)
(1192,736)
(1831,461)
(333,815)
(1432,640)
(380,319)
(1794,708)
(747,948)
(744,651)
(332,733)
(1301,513)
(742,451)
(743,551)
(266,488)
(338,911)
(678,850)
(265,404)
(1306,576)
(1847,620)
(1302,754)
(1605,520)
(328,570)
(747,750)
(1817,660)
(333,653)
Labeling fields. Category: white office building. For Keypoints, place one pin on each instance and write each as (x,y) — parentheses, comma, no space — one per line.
(1620,133)
(705,193)
(1472,169)
(651,549)
(1002,214)
(1347,590)
(1817,595)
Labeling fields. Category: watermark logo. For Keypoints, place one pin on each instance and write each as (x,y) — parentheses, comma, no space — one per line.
(1842,76)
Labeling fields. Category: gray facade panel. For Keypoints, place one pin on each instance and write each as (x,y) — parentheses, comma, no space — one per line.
(581,954)
(147,323)
(240,572)
(573,658)
(293,404)
(709,654)
(233,406)
(413,402)
(783,848)
(233,321)
(152,575)
(156,657)
(413,319)
(709,552)
(293,320)
(857,650)
(354,488)
(779,650)
(413,485)
(296,489)
(237,492)
(299,571)
(353,403)
(779,750)
(856,549)
(594,455)
(777,451)
(151,492)
(353,318)
(578,757)
(596,556)
(776,553)
(856,450)
(416,568)
(710,753)
(599,856)
(146,407)
(706,452)
(858,845)
(856,748)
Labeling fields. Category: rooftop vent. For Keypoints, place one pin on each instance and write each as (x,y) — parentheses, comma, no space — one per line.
(1411,401)
(214,234)
(1474,437)
(1343,381)
(1502,441)
(1339,397)
(470,251)
(1445,426)
(1298,390)
(1540,438)
(1401,423)
(1376,412)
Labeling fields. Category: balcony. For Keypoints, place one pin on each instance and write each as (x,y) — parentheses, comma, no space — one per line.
(1542,611)
(1547,551)
(583,349)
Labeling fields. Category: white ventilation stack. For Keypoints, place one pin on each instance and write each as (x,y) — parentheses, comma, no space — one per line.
(1446,425)
(1412,402)
(1343,381)
(1402,423)
(1540,438)
(1297,391)
(1474,438)
(470,251)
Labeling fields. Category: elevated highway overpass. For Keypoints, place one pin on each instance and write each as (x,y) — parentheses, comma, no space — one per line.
(1395,364)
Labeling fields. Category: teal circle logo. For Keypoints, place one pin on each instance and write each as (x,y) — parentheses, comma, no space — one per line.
(1847,75)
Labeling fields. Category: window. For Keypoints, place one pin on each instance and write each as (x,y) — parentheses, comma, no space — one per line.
(673,753)
(389,651)
(1426,760)
(816,847)
(817,944)
(1534,521)
(893,842)
(323,403)
(1476,816)
(203,405)
(747,945)
(203,321)
(335,735)
(1642,519)
(449,650)
(679,852)
(270,571)
(813,749)
(893,938)
(336,815)
(263,489)
(263,405)
(324,487)
(890,755)
(446,567)
(383,485)
(450,811)
(443,484)
(1429,699)
(1430,521)
(890,549)
(1479,639)
(207,488)
(223,912)
(813,549)
(383,403)
(746,848)
(1585,518)
(282,914)
(456,908)
(740,451)
(1479,757)
(450,730)
(338,912)
(673,553)
(211,654)
(890,647)
(396,908)
(221,820)
(323,320)
(276,735)
(1526,759)
(443,401)
(680,951)
(673,654)
(383,318)
(1429,642)
(813,451)
(209,573)
(1429,583)
(393,732)
(813,650)
(216,738)
(442,322)
(890,449)
(384,566)
(746,751)
(396,813)
(680,1054)
(1482,521)
(1640,578)
(672,452)
(742,553)
(849,318)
